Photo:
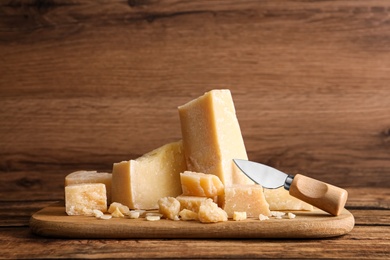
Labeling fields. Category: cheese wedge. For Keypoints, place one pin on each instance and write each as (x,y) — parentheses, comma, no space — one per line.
(83,199)
(212,137)
(245,198)
(280,199)
(200,184)
(140,183)
(80,177)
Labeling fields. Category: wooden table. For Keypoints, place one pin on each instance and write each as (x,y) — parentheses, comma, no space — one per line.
(84,84)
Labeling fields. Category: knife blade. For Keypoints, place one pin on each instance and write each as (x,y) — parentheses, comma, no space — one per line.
(322,195)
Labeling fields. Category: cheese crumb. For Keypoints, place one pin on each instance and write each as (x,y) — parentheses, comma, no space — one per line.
(133,214)
(277,214)
(291,215)
(262,217)
(187,214)
(117,214)
(97,213)
(169,207)
(153,218)
(116,205)
(238,216)
(105,216)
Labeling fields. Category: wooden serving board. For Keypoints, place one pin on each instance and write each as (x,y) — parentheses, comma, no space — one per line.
(52,221)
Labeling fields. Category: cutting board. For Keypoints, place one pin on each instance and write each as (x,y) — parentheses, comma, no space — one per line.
(52,221)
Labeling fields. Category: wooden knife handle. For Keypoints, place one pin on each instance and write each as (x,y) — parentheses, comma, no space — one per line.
(324,196)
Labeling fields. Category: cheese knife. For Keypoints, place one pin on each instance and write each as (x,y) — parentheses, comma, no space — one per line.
(317,193)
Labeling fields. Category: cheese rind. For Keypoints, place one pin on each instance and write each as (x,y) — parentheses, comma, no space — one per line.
(247,198)
(280,199)
(201,184)
(212,136)
(140,183)
(80,177)
(82,199)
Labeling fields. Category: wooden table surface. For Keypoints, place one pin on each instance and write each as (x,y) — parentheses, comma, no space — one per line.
(84,84)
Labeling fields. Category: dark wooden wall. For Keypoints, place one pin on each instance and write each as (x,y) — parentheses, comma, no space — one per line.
(84,84)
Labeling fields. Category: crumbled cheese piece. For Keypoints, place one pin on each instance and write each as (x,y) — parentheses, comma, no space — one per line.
(248,198)
(105,217)
(116,205)
(187,214)
(133,214)
(190,202)
(117,213)
(169,207)
(262,217)
(97,213)
(209,212)
(153,218)
(200,184)
(277,214)
(238,216)
(291,215)
(280,199)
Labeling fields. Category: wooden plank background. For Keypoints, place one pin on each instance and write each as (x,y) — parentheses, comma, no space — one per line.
(84,84)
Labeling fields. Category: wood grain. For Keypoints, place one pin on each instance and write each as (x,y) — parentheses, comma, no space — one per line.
(85,84)
(348,246)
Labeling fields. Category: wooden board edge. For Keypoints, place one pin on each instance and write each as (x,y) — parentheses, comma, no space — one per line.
(54,226)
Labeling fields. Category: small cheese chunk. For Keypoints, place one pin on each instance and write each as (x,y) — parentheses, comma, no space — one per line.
(153,218)
(105,217)
(140,183)
(200,184)
(291,215)
(262,217)
(169,207)
(80,177)
(122,208)
(248,198)
(117,213)
(133,214)
(82,199)
(190,202)
(209,212)
(238,216)
(186,214)
(280,199)
(212,136)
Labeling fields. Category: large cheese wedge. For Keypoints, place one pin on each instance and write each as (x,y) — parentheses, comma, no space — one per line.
(280,199)
(200,184)
(245,198)
(80,177)
(140,183)
(212,136)
(82,199)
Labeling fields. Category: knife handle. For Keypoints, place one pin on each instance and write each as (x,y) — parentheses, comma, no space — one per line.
(324,196)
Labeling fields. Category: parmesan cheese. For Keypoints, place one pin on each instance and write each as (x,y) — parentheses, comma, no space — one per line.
(140,183)
(212,137)
(209,212)
(280,199)
(200,184)
(80,177)
(248,198)
(190,202)
(169,207)
(83,199)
